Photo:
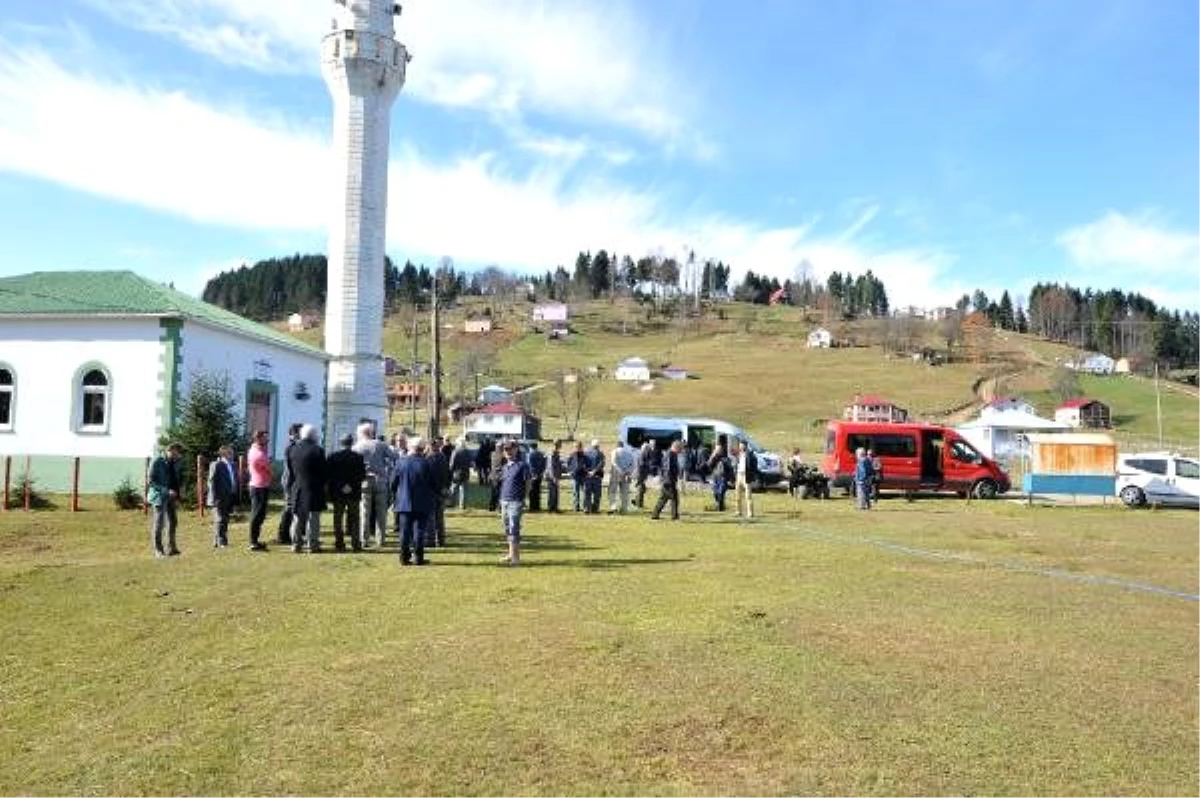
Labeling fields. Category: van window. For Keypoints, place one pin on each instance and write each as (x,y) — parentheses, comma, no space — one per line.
(1151,465)
(830,442)
(884,445)
(1187,469)
(964,452)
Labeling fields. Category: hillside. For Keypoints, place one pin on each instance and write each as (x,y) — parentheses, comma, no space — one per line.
(751,366)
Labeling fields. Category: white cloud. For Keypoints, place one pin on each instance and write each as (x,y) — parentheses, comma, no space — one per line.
(1139,254)
(236,169)
(595,65)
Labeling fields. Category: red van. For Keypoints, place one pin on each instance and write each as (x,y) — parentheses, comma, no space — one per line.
(913,457)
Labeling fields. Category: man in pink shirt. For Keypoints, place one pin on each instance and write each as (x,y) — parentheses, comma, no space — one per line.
(258,463)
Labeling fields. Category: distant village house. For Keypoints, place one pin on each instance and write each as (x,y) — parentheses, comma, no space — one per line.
(873,408)
(632,369)
(820,338)
(1084,413)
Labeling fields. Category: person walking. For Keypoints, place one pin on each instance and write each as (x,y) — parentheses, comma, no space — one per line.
(412,492)
(346,473)
(669,472)
(514,479)
(307,489)
(537,471)
(162,495)
(439,472)
(745,475)
(222,494)
(863,476)
(258,465)
(284,536)
(554,475)
(624,465)
(647,459)
(460,473)
(377,459)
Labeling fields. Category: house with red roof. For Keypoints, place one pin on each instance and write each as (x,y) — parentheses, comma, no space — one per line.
(866,407)
(1084,413)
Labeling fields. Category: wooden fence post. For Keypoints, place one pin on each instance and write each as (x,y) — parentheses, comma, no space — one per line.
(146,488)
(27,480)
(75,486)
(7,480)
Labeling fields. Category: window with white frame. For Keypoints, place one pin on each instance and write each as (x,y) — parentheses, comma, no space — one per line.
(95,390)
(8,395)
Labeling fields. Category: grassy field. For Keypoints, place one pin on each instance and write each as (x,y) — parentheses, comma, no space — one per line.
(929,647)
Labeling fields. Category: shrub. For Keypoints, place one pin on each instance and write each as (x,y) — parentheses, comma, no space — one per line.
(37,500)
(126,496)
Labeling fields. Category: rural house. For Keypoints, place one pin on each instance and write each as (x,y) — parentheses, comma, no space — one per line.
(873,408)
(502,420)
(1084,413)
(483,324)
(494,394)
(632,369)
(820,338)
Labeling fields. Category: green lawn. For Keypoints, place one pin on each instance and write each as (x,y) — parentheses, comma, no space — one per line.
(928,647)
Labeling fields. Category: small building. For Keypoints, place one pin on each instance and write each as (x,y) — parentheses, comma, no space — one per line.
(820,338)
(406,393)
(552,312)
(479,325)
(632,369)
(1003,434)
(298,322)
(1074,463)
(502,420)
(674,373)
(1096,364)
(873,408)
(494,394)
(1084,413)
(1007,404)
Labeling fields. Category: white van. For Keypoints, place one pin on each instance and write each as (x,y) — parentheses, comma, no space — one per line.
(696,433)
(1158,478)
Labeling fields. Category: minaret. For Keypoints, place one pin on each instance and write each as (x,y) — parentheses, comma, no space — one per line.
(363,66)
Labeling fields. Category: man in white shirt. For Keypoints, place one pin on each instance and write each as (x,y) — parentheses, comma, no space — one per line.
(624,463)
(746,474)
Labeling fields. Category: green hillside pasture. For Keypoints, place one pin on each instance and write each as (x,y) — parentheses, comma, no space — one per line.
(932,647)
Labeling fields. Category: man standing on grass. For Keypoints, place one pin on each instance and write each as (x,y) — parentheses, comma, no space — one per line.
(439,472)
(412,488)
(163,497)
(745,475)
(624,463)
(670,473)
(577,468)
(514,480)
(647,456)
(307,489)
(345,473)
(554,475)
(258,464)
(284,536)
(864,474)
(377,458)
(222,494)
(537,470)
(593,478)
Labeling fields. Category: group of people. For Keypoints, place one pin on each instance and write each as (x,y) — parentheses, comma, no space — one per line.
(366,479)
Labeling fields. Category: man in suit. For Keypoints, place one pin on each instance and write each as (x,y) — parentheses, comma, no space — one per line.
(412,491)
(284,536)
(345,472)
(222,494)
(670,472)
(439,472)
(306,462)
(554,475)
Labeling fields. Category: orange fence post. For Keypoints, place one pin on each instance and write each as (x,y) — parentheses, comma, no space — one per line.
(75,486)
(7,480)
(27,486)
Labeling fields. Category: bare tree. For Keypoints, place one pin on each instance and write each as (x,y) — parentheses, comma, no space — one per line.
(573,389)
(950,328)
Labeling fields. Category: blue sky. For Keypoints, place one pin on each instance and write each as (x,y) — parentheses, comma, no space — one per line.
(946,146)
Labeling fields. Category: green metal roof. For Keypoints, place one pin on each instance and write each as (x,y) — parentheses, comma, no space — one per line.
(123,293)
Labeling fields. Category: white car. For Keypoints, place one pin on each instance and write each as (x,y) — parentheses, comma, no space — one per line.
(1158,478)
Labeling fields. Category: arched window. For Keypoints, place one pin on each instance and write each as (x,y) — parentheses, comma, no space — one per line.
(94,389)
(8,397)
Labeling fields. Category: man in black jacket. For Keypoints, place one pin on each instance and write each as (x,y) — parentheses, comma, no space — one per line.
(306,461)
(670,472)
(537,470)
(345,471)
(284,536)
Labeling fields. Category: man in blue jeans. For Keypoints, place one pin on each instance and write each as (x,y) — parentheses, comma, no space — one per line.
(514,480)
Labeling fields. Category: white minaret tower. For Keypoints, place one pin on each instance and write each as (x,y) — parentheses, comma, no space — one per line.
(364,67)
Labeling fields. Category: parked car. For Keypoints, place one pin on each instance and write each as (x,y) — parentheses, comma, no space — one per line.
(1158,478)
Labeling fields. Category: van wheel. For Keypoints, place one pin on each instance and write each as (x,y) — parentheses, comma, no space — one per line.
(1132,496)
(985,489)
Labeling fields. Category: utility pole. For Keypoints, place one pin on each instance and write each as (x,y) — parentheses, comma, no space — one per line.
(412,375)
